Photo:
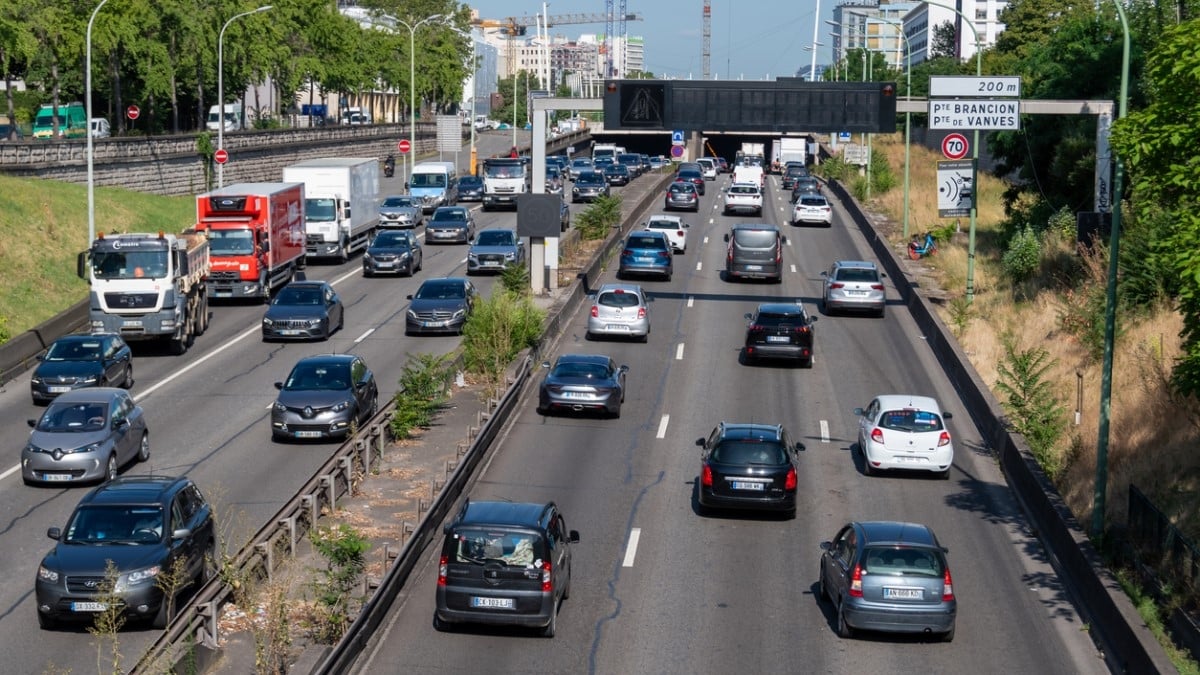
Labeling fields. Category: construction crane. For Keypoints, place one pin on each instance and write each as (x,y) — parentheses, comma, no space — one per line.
(623,31)
(514,27)
(706,48)
(609,71)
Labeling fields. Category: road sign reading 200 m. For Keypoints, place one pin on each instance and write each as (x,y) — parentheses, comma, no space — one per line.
(771,106)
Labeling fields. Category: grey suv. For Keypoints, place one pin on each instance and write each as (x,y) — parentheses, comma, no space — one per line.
(144,526)
(854,285)
(755,252)
(504,563)
(323,397)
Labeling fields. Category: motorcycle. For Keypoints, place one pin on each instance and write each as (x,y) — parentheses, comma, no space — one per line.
(918,250)
(389,166)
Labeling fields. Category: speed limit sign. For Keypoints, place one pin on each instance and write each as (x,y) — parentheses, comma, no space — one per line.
(955,146)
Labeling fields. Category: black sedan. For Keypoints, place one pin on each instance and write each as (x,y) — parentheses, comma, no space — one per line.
(589,186)
(780,330)
(748,466)
(693,176)
(579,382)
(450,224)
(440,306)
(393,252)
(470,189)
(303,310)
(617,174)
(325,396)
(77,361)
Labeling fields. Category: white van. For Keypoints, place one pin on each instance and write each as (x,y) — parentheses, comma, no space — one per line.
(100,128)
(434,184)
(233,117)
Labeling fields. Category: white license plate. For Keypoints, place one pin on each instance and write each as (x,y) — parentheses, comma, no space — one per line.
(290,331)
(222,294)
(492,603)
(745,485)
(308,434)
(903,593)
(908,458)
(58,390)
(56,477)
(386,264)
(432,324)
(617,326)
(131,322)
(856,293)
(645,261)
(490,263)
(754,268)
(88,606)
(777,338)
(575,394)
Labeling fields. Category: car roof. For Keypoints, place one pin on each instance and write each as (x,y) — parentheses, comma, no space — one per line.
(755,226)
(663,216)
(858,264)
(328,358)
(522,514)
(785,308)
(81,337)
(650,233)
(746,183)
(620,288)
(897,401)
(134,490)
(305,284)
(439,280)
(876,532)
(89,395)
(750,430)
(598,359)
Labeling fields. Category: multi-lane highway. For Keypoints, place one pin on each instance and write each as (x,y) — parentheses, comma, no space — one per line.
(659,589)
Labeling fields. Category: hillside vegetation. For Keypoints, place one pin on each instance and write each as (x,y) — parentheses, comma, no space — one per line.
(43,226)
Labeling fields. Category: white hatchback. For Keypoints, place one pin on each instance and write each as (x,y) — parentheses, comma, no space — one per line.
(673,227)
(743,197)
(812,209)
(901,431)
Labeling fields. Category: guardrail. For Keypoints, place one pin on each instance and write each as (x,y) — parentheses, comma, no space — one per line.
(1128,644)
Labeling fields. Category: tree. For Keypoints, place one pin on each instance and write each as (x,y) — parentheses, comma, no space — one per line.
(945,40)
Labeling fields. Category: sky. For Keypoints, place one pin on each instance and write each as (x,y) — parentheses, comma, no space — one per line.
(751,39)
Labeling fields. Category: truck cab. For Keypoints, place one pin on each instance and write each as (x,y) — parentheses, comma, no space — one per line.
(504,178)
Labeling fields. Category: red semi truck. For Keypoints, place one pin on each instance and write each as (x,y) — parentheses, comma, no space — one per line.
(256,235)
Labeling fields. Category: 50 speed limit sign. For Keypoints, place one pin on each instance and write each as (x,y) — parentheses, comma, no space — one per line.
(955,146)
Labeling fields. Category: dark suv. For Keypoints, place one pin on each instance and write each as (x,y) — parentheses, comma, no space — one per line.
(748,466)
(144,526)
(780,330)
(504,563)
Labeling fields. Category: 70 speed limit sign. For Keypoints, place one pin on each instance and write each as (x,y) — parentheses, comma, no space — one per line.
(955,146)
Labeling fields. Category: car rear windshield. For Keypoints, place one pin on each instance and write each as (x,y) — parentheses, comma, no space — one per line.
(640,241)
(618,299)
(813,201)
(481,546)
(743,190)
(916,421)
(679,188)
(857,274)
(755,238)
(903,561)
(749,452)
(663,225)
(776,319)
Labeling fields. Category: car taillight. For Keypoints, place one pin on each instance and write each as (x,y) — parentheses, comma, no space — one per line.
(801,329)
(947,586)
(877,435)
(877,287)
(679,233)
(641,312)
(547,577)
(706,478)
(595,311)
(789,483)
(944,439)
(856,582)
(443,563)
(778,253)
(754,328)
(836,285)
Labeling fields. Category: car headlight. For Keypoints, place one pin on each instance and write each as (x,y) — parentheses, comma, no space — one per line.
(313,323)
(279,407)
(473,256)
(412,314)
(129,580)
(575,190)
(267,322)
(35,380)
(460,313)
(340,406)
(48,575)
(511,255)
(367,257)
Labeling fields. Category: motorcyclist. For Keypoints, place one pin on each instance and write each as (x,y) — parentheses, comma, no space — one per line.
(389,166)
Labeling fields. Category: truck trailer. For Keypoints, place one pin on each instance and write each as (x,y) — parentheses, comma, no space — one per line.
(256,237)
(148,286)
(340,208)
(792,149)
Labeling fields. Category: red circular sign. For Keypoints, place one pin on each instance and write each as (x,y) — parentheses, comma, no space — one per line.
(404,146)
(220,156)
(677,151)
(132,112)
(955,146)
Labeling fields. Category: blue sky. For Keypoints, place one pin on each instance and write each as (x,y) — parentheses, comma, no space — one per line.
(753,39)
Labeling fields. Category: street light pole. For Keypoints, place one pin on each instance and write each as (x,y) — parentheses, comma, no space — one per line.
(87,97)
(412,86)
(812,68)
(221,87)
(474,90)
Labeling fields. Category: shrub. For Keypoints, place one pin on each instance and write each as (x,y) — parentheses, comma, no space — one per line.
(515,279)
(1034,410)
(344,550)
(1082,312)
(1021,259)
(1062,223)
(599,218)
(422,391)
(499,328)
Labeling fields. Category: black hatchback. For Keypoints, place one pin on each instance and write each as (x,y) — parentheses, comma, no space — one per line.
(504,563)
(77,361)
(780,330)
(748,466)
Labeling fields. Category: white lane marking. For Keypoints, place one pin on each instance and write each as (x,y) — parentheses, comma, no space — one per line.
(824,431)
(793,269)
(710,222)
(662,426)
(691,300)
(789,242)
(631,549)
(679,352)
(699,265)
(705,239)
(362,337)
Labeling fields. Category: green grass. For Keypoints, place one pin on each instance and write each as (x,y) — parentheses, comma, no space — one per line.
(43,226)
(1152,614)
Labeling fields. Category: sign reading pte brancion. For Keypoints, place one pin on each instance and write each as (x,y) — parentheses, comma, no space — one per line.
(975,114)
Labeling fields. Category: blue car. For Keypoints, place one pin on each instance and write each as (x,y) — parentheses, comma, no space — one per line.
(646,252)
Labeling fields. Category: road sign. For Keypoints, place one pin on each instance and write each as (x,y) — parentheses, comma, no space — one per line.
(677,137)
(449,133)
(132,112)
(956,188)
(844,136)
(855,153)
(404,146)
(221,156)
(677,151)
(955,146)
(956,115)
(966,85)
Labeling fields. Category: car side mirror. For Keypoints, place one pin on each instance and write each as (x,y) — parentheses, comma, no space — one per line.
(824,274)
(573,536)
(686,226)
(409,296)
(181,533)
(700,442)
(546,365)
(40,357)
(279,385)
(800,447)
(623,369)
(120,424)
(749,316)
(32,423)
(727,237)
(405,185)
(54,533)
(826,545)
(813,319)
(858,411)
(947,415)
(783,239)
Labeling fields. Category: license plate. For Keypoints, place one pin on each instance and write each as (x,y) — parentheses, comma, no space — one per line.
(490,263)
(492,603)
(222,294)
(308,434)
(645,260)
(58,390)
(88,606)
(575,394)
(856,293)
(744,485)
(131,322)
(908,458)
(754,268)
(890,593)
(385,264)
(616,326)
(56,477)
(777,338)
(432,324)
(289,331)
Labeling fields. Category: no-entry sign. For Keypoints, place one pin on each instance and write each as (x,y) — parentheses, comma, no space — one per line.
(404,146)
(220,156)
(132,112)
(955,146)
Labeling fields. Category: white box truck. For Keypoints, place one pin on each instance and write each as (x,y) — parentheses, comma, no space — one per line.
(340,204)
(792,149)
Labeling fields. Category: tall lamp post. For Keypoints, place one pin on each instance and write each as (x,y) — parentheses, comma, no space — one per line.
(974,153)
(221,86)
(412,84)
(907,115)
(526,73)
(812,68)
(87,96)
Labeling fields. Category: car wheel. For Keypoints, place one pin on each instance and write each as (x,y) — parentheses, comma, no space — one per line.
(879,314)
(367,274)
(551,628)
(567,588)
(110,469)
(844,629)
(944,475)
(807,363)
(948,636)
(616,414)
(161,618)
(127,383)
(589,336)
(644,338)
(341,321)
(208,566)
(46,623)
(144,448)
(867,470)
